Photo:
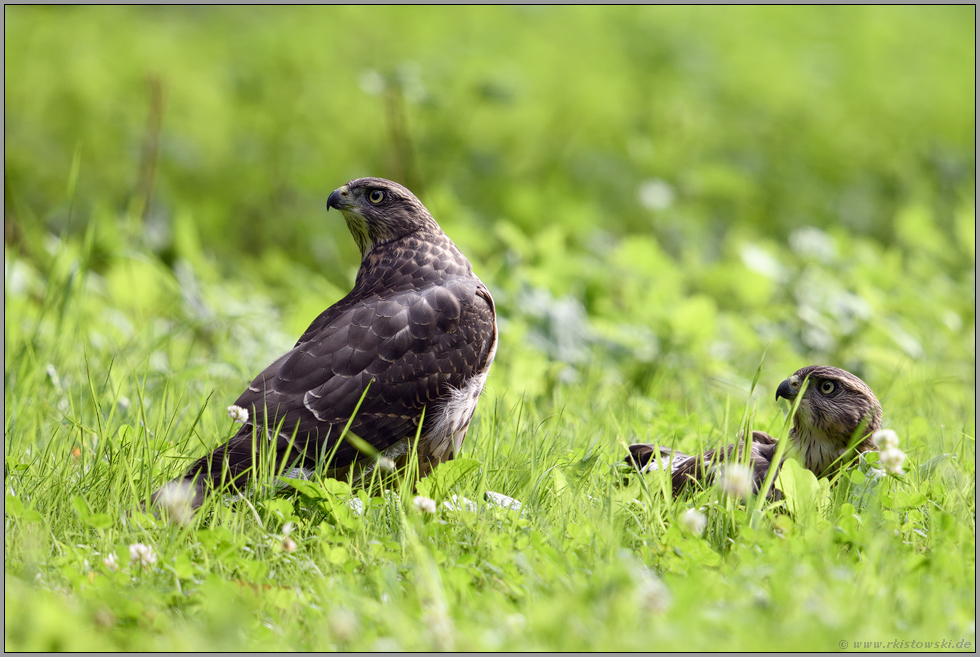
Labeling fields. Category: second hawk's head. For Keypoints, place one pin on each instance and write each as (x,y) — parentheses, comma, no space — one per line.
(837,410)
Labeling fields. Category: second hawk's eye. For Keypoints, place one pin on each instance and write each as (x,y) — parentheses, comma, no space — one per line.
(376,196)
(827,387)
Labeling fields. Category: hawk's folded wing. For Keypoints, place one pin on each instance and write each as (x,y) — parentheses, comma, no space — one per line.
(407,350)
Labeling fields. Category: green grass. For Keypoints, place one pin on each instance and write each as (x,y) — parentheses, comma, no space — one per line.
(660,199)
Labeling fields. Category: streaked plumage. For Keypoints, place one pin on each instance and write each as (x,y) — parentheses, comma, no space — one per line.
(417,332)
(685,468)
(833,423)
(837,410)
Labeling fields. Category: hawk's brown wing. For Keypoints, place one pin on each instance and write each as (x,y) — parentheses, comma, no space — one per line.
(406,350)
(686,469)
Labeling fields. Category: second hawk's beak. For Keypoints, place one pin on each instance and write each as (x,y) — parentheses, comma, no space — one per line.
(339,198)
(787,390)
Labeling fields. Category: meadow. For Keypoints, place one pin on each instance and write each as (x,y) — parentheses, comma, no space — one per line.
(675,208)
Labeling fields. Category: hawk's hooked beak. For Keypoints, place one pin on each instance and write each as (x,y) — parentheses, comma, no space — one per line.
(788,389)
(339,198)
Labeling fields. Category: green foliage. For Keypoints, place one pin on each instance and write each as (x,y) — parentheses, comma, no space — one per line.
(438,484)
(658,197)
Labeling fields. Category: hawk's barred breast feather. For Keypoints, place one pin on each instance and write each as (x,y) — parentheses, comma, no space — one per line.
(417,334)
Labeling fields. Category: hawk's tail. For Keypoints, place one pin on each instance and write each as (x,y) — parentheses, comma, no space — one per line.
(231,466)
(685,469)
(647,457)
(231,463)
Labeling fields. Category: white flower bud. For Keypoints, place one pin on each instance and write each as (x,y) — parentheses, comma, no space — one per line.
(736,480)
(238,414)
(891,460)
(885,439)
(693,521)
(144,554)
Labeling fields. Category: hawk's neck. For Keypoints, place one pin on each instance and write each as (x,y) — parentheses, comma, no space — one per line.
(819,450)
(416,260)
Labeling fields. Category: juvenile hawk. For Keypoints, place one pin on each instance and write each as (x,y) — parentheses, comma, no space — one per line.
(417,333)
(837,410)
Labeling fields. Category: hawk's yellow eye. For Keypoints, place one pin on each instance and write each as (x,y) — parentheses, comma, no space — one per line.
(376,196)
(827,387)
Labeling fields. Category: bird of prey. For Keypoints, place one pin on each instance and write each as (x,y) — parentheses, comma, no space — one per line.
(834,421)
(686,468)
(415,338)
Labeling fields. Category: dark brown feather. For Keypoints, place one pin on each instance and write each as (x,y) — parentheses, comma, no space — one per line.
(686,470)
(417,325)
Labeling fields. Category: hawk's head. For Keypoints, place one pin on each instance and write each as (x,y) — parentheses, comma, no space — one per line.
(379,211)
(837,411)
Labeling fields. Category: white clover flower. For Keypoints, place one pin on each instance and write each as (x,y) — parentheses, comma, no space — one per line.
(123,404)
(736,480)
(425,504)
(656,194)
(386,464)
(386,644)
(885,439)
(441,628)
(144,554)
(891,459)
(515,623)
(693,521)
(238,414)
(176,501)
(110,562)
(343,624)
(652,595)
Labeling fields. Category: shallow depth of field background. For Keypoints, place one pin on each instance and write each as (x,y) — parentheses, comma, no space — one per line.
(659,198)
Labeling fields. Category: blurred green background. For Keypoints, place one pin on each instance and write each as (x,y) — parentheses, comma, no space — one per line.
(657,191)
(554,144)
(658,198)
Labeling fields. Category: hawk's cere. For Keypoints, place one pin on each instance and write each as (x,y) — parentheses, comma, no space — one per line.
(416,336)
(835,420)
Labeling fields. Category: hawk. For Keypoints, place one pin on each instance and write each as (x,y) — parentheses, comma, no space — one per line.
(833,423)
(411,344)
(685,468)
